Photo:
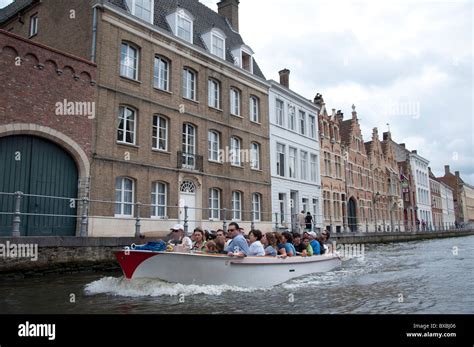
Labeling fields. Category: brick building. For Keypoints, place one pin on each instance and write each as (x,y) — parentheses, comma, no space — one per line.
(332,165)
(47,114)
(436,201)
(182,110)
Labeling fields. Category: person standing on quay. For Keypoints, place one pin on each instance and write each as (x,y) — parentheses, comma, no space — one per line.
(301,222)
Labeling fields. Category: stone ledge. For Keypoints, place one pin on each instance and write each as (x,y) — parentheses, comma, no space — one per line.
(72,241)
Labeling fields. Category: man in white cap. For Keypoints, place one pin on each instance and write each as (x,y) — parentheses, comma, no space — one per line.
(313,242)
(178,237)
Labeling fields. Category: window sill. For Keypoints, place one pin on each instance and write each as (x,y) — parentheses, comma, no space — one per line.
(234,115)
(32,36)
(127,144)
(215,109)
(258,123)
(191,100)
(237,166)
(130,80)
(159,151)
(215,162)
(256,170)
(162,91)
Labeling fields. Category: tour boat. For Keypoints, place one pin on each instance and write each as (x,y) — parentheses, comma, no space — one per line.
(207,269)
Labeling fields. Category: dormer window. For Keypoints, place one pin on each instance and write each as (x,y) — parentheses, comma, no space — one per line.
(243,57)
(215,42)
(142,9)
(181,22)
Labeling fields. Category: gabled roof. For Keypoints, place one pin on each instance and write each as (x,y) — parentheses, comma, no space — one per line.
(204,20)
(345,131)
(11,10)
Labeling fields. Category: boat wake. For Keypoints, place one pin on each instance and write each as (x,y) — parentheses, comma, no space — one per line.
(156,288)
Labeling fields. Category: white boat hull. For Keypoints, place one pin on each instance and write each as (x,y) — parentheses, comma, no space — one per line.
(201,269)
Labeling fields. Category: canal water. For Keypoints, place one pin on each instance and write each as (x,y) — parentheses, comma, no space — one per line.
(429,277)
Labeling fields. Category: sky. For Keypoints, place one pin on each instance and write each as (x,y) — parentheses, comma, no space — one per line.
(407,65)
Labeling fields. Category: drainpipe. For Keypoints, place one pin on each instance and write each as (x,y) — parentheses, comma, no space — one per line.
(94,33)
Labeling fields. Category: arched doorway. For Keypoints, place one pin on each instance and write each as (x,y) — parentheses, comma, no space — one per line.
(187,198)
(36,166)
(352,215)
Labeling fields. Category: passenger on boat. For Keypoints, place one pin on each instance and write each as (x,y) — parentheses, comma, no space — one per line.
(325,235)
(242,231)
(184,243)
(211,247)
(220,232)
(313,242)
(269,242)
(256,248)
(309,248)
(210,235)
(299,246)
(199,241)
(238,247)
(220,243)
(286,241)
(280,245)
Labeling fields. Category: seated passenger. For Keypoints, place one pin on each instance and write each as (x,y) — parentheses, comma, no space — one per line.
(299,246)
(211,247)
(220,232)
(220,243)
(182,242)
(256,248)
(286,240)
(280,245)
(309,249)
(314,243)
(269,242)
(238,247)
(199,240)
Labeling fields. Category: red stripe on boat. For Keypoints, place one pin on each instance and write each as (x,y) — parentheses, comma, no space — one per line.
(129,261)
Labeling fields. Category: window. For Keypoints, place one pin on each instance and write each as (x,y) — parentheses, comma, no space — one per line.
(312,127)
(314,168)
(292,162)
(34,25)
(189,84)
(292,117)
(124,192)
(304,165)
(338,166)
(256,207)
(214,93)
(129,61)
(302,123)
(158,199)
(279,112)
(327,164)
(218,46)
(234,102)
(160,133)
(255,156)
(161,73)
(143,9)
(236,206)
(235,147)
(189,146)
(280,160)
(336,206)
(184,27)
(315,210)
(127,125)
(254,109)
(214,204)
(214,145)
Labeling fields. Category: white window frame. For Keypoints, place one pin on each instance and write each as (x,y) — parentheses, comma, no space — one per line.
(292,161)
(279,165)
(235,151)
(312,126)
(34,19)
(214,204)
(236,206)
(157,130)
(292,117)
(129,66)
(132,4)
(214,145)
(156,193)
(159,81)
(125,120)
(235,97)
(121,203)
(182,16)
(304,165)
(215,37)
(214,93)
(255,156)
(256,207)
(254,109)
(189,84)
(314,167)
(302,122)
(280,112)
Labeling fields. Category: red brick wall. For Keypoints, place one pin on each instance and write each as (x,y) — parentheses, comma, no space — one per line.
(33,78)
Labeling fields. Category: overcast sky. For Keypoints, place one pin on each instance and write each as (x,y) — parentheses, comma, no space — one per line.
(406,63)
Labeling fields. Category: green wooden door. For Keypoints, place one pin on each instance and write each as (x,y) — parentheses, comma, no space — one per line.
(38,167)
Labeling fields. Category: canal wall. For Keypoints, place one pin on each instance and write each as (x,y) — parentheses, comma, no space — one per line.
(36,256)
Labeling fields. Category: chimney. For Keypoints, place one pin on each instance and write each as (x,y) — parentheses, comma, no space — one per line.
(230,10)
(387,136)
(403,145)
(285,78)
(415,151)
(458,175)
(447,170)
